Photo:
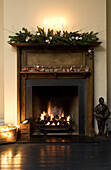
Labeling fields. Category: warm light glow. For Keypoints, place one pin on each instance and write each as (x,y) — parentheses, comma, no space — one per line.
(62,114)
(51,117)
(15,124)
(56,23)
(54,114)
(25,121)
(5,129)
(4,133)
(49,108)
(17,159)
(9,160)
(42,115)
(61,21)
(68,119)
(58,123)
(7,134)
(45,21)
(46,27)
(48,123)
(53,27)
(61,27)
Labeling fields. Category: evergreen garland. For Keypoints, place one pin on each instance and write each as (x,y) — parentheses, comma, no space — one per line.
(71,38)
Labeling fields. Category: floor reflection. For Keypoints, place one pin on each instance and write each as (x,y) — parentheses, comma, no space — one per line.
(9,159)
(55,156)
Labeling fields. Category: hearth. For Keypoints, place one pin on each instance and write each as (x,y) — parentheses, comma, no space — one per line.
(47,97)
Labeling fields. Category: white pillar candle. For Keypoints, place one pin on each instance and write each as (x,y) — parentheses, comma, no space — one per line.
(46,28)
(53,27)
(61,27)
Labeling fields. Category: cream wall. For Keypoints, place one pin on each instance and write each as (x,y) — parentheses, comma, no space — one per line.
(1,64)
(87,15)
(109,51)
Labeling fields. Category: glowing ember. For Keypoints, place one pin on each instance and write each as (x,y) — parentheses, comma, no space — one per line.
(53,124)
(58,123)
(48,123)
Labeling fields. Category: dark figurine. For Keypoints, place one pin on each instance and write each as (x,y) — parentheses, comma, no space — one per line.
(102,113)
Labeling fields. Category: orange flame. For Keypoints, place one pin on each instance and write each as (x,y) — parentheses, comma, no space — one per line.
(68,119)
(62,114)
(49,108)
(42,115)
(51,117)
(53,124)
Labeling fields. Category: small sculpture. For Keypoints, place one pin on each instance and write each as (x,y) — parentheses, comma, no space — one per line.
(102,113)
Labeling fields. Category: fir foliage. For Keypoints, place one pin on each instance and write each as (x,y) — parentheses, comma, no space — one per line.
(68,38)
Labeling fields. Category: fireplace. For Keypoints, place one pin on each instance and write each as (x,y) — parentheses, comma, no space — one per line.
(57,96)
(62,85)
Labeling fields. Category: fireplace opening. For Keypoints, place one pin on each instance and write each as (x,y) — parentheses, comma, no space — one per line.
(56,106)
(55,109)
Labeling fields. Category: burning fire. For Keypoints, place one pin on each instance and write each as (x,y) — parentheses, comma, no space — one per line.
(53,119)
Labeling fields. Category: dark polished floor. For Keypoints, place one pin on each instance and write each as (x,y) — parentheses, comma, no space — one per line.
(64,139)
(55,156)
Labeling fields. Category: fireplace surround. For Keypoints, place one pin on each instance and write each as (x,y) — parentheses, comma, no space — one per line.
(35,87)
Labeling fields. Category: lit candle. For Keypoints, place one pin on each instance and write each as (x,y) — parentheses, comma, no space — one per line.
(61,27)
(53,27)
(46,28)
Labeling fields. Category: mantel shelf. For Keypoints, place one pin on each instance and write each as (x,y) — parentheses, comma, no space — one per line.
(81,74)
(77,72)
(57,46)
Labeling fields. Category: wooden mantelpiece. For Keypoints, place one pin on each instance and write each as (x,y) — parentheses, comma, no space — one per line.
(58,75)
(73,55)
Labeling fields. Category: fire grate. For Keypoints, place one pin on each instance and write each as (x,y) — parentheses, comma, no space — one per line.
(54,127)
